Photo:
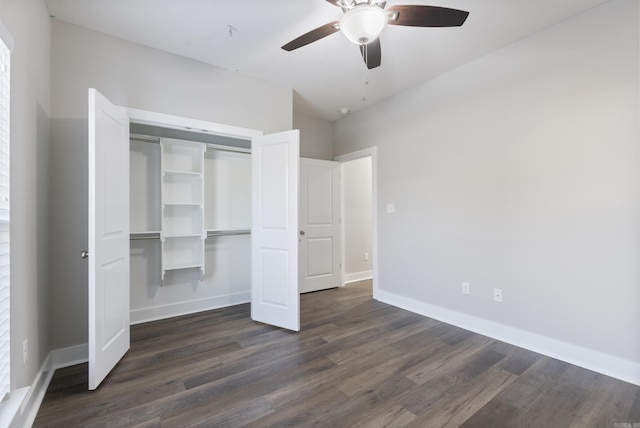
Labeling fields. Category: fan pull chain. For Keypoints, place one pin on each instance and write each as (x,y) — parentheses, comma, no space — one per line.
(365,54)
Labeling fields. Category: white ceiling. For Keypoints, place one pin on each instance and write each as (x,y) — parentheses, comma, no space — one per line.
(328,74)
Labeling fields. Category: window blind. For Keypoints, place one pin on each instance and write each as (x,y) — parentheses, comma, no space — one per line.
(4,218)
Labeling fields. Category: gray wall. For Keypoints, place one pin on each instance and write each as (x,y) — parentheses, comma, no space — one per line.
(520,171)
(357,208)
(134,76)
(316,137)
(28,22)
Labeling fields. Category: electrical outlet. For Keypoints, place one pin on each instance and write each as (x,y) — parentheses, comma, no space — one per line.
(25,351)
(391,208)
(497,294)
(366,257)
(466,288)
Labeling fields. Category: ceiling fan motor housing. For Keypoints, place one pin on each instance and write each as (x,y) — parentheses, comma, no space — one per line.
(363,23)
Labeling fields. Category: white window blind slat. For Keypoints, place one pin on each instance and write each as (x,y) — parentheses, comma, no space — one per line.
(5,320)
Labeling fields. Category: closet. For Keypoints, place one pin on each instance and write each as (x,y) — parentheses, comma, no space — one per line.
(190,221)
(128,228)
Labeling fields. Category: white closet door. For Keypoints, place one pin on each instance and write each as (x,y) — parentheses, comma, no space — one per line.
(275,297)
(319,225)
(108,236)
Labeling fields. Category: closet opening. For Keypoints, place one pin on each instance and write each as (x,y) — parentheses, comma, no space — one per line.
(195,196)
(190,222)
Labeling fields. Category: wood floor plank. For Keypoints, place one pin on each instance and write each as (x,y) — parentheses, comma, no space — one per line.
(634,413)
(370,379)
(464,399)
(395,416)
(556,407)
(402,333)
(449,378)
(535,382)
(301,412)
(335,376)
(445,357)
(356,363)
(519,360)
(603,403)
(494,414)
(257,361)
(381,396)
(238,415)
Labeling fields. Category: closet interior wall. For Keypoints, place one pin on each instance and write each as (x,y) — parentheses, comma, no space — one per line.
(227,222)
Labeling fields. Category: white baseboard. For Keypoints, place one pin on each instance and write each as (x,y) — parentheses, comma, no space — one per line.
(607,364)
(22,407)
(10,408)
(358,276)
(65,357)
(139,316)
(29,398)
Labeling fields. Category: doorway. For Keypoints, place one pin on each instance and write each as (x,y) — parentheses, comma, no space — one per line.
(359,216)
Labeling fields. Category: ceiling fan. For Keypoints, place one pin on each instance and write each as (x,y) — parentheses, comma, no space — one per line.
(364,20)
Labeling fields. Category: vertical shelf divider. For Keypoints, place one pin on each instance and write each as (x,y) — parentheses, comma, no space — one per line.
(182,205)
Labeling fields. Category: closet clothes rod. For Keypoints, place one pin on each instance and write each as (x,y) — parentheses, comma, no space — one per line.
(219,147)
(228,232)
(156,235)
(144,235)
(144,138)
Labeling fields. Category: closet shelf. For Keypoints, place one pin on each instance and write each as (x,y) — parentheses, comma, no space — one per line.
(210,233)
(183,235)
(182,173)
(182,204)
(182,266)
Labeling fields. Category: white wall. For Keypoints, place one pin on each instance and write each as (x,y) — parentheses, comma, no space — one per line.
(28,22)
(139,77)
(358,228)
(520,171)
(316,137)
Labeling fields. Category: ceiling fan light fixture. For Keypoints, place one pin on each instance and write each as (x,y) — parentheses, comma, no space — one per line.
(363,24)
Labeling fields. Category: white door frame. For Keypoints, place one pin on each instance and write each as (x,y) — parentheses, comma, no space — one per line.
(162,120)
(373,153)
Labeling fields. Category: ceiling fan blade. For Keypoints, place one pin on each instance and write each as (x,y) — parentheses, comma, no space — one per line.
(312,36)
(426,16)
(372,54)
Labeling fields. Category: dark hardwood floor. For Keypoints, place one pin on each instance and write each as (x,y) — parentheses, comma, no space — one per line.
(356,363)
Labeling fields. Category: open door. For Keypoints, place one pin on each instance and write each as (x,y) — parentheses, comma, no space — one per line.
(319,225)
(275,297)
(108,236)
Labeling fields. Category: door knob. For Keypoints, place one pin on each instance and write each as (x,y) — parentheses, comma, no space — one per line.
(302,232)
(84,254)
